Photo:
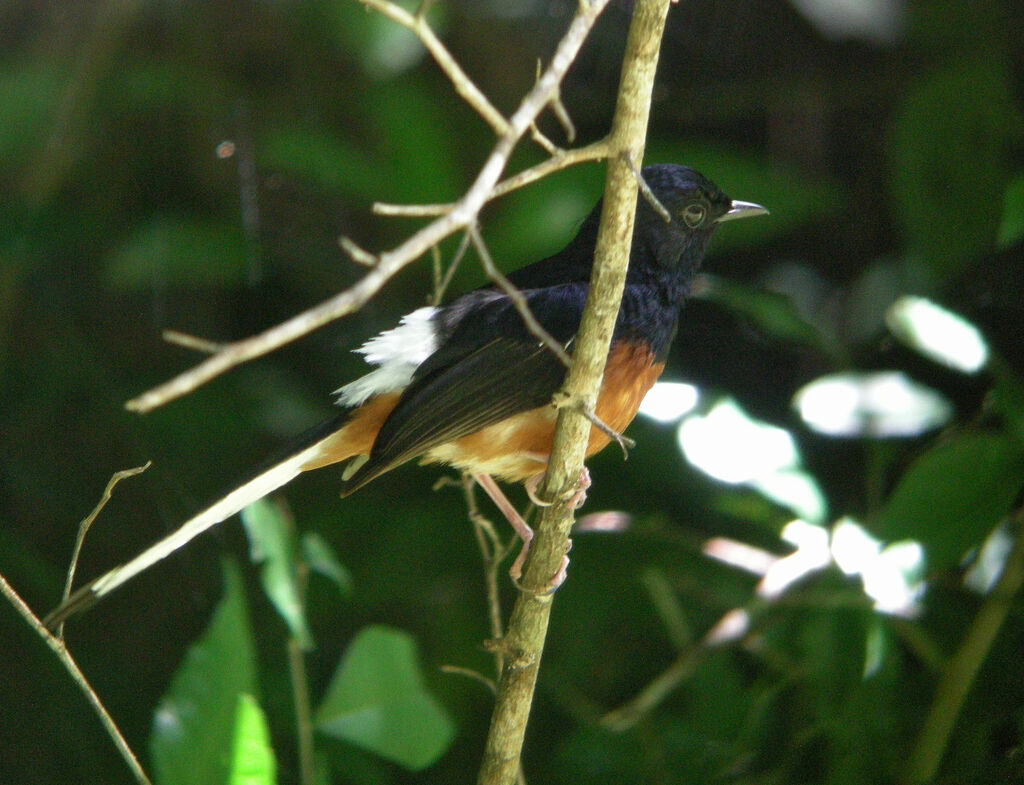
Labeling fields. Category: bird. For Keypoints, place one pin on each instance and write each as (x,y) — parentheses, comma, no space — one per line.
(469,384)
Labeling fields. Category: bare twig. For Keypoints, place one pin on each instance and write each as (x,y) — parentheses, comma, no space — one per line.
(56,642)
(462,214)
(560,112)
(471,674)
(441,286)
(517,297)
(594,151)
(492,552)
(539,137)
(561,400)
(192,342)
(57,646)
(358,254)
(645,189)
(84,526)
(625,443)
(463,85)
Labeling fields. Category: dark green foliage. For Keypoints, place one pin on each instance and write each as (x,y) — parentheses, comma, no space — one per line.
(891,167)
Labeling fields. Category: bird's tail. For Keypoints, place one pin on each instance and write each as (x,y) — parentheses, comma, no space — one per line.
(306,452)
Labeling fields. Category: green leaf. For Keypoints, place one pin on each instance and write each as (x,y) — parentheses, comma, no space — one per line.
(949,167)
(384,47)
(252,758)
(194,725)
(773,313)
(1011,226)
(272,545)
(952,496)
(29,95)
(377,701)
(319,157)
(321,559)
(179,250)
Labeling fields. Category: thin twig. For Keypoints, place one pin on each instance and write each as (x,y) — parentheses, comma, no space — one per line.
(726,631)
(471,674)
(517,297)
(625,443)
(645,189)
(358,254)
(560,112)
(492,551)
(57,646)
(594,151)
(462,214)
(84,526)
(192,342)
(540,138)
(442,285)
(299,678)
(463,85)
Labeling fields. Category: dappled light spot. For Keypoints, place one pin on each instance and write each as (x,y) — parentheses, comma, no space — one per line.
(887,403)
(937,333)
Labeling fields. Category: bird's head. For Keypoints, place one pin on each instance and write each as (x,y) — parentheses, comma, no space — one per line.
(696,207)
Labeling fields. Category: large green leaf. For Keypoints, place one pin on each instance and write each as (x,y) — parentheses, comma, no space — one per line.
(194,726)
(952,496)
(950,168)
(29,94)
(252,757)
(377,700)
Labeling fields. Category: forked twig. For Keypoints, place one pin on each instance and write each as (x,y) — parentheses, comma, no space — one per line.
(595,151)
(461,215)
(56,641)
(86,524)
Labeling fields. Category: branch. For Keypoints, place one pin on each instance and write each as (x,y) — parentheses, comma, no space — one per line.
(461,215)
(595,151)
(963,666)
(56,642)
(463,85)
(527,627)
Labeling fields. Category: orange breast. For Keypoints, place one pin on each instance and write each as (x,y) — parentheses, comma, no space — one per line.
(517,448)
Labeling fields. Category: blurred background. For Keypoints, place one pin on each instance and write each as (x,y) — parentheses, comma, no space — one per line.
(822,475)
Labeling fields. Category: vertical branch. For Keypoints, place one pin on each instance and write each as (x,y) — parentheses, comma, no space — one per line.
(524,640)
(963,666)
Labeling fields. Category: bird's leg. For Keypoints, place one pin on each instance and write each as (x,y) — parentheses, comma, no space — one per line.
(523,529)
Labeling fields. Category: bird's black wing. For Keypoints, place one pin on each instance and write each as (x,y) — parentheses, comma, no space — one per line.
(489,368)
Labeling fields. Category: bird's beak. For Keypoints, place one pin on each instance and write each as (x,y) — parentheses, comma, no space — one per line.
(740,209)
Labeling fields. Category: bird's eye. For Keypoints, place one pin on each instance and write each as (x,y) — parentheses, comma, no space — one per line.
(693,215)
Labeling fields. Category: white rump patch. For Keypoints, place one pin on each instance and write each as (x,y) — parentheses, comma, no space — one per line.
(397,352)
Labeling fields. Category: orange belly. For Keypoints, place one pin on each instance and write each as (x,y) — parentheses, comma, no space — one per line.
(516,448)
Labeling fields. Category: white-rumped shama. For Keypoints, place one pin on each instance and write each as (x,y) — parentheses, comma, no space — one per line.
(468,384)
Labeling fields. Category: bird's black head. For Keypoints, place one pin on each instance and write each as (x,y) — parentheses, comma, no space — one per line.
(696,206)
